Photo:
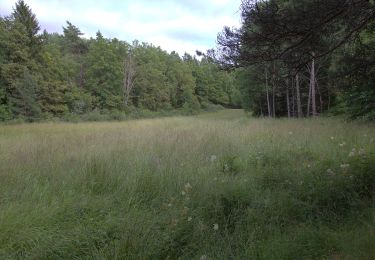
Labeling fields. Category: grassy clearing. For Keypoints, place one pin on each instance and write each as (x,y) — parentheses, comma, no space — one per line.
(217,185)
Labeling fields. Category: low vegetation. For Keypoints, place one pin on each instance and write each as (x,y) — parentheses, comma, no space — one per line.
(213,186)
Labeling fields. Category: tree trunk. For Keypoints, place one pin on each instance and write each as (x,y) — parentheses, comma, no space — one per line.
(268,97)
(293,100)
(287,97)
(299,107)
(309,102)
(313,87)
(273,101)
(128,80)
(273,91)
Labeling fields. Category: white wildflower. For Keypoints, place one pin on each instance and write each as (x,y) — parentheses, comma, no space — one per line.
(344,166)
(290,133)
(332,138)
(216,227)
(183,193)
(203,257)
(189,219)
(188,186)
(342,144)
(169,205)
(329,171)
(213,158)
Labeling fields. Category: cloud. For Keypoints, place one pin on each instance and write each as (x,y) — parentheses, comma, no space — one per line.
(180,25)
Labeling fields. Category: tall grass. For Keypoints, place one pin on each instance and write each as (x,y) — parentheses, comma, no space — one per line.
(215,186)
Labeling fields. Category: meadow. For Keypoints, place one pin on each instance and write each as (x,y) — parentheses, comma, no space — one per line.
(213,186)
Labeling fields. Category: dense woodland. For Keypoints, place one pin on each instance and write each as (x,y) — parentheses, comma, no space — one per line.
(304,57)
(289,58)
(46,75)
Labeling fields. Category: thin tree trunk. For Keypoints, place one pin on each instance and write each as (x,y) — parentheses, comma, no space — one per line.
(299,107)
(273,102)
(268,97)
(287,97)
(128,78)
(309,102)
(273,91)
(293,97)
(313,86)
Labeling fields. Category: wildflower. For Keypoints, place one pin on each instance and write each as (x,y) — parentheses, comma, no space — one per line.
(215,179)
(183,193)
(188,186)
(290,133)
(203,257)
(308,166)
(185,210)
(216,227)
(342,144)
(169,205)
(226,167)
(329,171)
(344,166)
(213,158)
(352,153)
(332,138)
(189,219)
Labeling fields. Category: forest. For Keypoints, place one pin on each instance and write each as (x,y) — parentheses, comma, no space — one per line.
(304,58)
(289,58)
(47,75)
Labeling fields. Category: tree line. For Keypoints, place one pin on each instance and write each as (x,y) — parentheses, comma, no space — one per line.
(47,75)
(301,58)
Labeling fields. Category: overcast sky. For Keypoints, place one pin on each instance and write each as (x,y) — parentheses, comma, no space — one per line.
(180,25)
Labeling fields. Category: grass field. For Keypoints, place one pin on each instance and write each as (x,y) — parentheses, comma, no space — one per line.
(213,186)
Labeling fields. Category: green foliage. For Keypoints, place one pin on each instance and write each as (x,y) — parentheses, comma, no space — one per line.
(4,109)
(295,45)
(23,101)
(71,76)
(353,71)
(78,101)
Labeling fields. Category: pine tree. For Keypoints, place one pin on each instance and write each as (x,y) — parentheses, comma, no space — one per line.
(23,14)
